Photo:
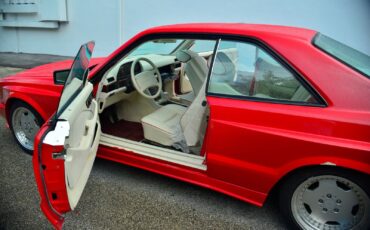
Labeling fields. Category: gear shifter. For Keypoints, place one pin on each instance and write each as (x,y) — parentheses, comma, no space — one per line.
(163,97)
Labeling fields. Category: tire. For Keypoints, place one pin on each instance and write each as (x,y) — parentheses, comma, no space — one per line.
(25,123)
(326,198)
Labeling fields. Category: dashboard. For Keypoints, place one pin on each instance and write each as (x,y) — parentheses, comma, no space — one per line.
(117,84)
(122,79)
(119,77)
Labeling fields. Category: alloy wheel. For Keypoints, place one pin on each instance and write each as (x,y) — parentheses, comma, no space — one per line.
(330,202)
(25,127)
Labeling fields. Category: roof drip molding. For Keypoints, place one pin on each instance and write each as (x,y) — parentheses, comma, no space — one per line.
(32,13)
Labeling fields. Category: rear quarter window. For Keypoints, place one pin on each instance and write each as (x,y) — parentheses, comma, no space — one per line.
(356,60)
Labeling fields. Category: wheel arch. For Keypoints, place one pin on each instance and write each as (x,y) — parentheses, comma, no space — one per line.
(29,101)
(304,168)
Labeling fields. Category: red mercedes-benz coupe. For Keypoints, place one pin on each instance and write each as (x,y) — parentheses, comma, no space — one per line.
(246,110)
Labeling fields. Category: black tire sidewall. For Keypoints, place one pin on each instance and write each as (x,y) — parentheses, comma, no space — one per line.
(40,121)
(288,188)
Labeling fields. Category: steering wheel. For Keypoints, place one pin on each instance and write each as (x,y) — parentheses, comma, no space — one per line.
(146,79)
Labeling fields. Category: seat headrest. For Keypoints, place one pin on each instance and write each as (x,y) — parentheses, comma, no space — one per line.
(183,56)
(224,65)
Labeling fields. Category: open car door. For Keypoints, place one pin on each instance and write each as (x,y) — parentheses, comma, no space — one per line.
(66,146)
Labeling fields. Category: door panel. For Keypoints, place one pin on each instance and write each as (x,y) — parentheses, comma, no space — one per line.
(82,143)
(66,146)
(65,155)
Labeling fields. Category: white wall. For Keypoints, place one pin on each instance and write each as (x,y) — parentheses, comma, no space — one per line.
(345,20)
(110,23)
(87,20)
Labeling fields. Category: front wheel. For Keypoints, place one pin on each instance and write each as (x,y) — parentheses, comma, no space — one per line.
(326,199)
(25,122)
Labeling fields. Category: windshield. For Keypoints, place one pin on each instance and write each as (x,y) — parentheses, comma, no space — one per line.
(77,76)
(349,56)
(160,46)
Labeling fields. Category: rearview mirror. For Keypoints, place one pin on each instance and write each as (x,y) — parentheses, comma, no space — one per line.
(60,76)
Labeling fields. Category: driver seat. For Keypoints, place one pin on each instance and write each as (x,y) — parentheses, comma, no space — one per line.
(177,126)
(195,68)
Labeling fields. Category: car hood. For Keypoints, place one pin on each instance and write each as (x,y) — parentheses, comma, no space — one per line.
(43,74)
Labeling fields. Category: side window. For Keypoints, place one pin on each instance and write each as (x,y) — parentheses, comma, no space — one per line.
(201,46)
(244,69)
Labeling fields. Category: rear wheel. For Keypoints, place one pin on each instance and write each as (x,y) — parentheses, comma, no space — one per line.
(326,199)
(25,122)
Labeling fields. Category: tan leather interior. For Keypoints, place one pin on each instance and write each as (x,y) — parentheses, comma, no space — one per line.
(81,144)
(196,68)
(185,85)
(193,121)
(135,107)
(163,125)
(175,125)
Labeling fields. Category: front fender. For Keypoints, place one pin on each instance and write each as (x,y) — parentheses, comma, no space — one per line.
(43,101)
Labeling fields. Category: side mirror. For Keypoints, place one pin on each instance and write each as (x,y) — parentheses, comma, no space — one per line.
(60,76)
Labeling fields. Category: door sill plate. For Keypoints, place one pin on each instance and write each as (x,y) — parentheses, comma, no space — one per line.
(156,152)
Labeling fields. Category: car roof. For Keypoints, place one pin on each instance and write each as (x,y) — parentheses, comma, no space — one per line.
(254,30)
